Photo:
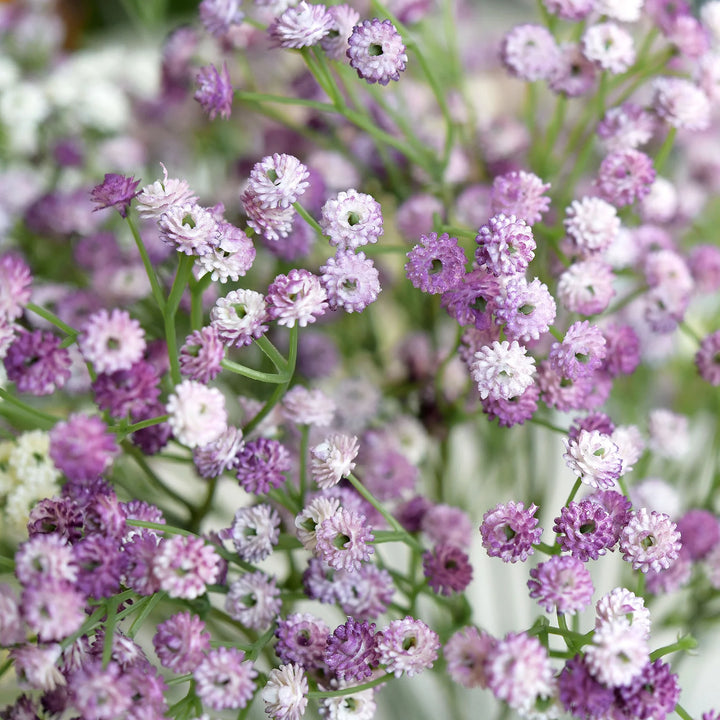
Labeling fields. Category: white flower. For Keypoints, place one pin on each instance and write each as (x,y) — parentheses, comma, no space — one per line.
(618,653)
(502,370)
(669,436)
(312,516)
(609,46)
(623,604)
(197,413)
(630,444)
(594,458)
(285,694)
(255,530)
(650,541)
(592,223)
(622,10)
(333,458)
(359,706)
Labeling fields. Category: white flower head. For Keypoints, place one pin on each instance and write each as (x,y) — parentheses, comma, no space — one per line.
(502,370)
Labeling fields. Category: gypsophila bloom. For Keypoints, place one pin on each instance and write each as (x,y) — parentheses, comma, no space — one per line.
(308,407)
(609,46)
(335,43)
(447,569)
(592,224)
(509,531)
(253,600)
(505,245)
(81,447)
(197,413)
(296,298)
(351,281)
(364,594)
(100,692)
(181,642)
(214,91)
(514,411)
(580,693)
(342,540)
(623,349)
(185,565)
(218,16)
(561,584)
(465,653)
(699,532)
(219,456)
(224,679)
(408,646)
(201,354)
(376,51)
(15,282)
(502,370)
(530,52)
(255,531)
(447,524)
(278,180)
(650,541)
(301,26)
(45,558)
(625,176)
(333,459)
(112,341)
(652,694)
(311,517)
(273,223)
(37,363)
(586,287)
(518,670)
(570,9)
(352,651)
(301,639)
(54,609)
(436,264)
(189,228)
(261,464)
(574,74)
(115,191)
(585,529)
(351,219)
(525,309)
(681,103)
(669,435)
(471,302)
(594,458)
(358,706)
(239,317)
(156,199)
(285,694)
(580,353)
(707,358)
(521,194)
(618,653)
(230,259)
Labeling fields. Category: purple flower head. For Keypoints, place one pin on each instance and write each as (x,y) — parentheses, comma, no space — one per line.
(707,358)
(261,464)
(185,565)
(301,639)
(301,26)
(408,646)
(61,516)
(351,281)
(376,51)
(586,287)
(190,229)
(699,532)
(45,558)
(574,75)
(100,561)
(36,363)
(580,353)
(351,652)
(255,531)
(278,180)
(593,421)
(681,103)
(594,458)
(623,349)
(296,298)
(154,438)
(447,569)
(115,191)
(101,692)
(218,16)
(509,531)
(466,652)
(505,245)
(81,447)
(625,176)
(214,91)
(344,19)
(448,524)
(224,679)
(650,541)
(352,219)
(436,264)
(181,642)
(253,600)
(585,529)
(561,584)
(513,411)
(219,456)
(411,512)
(54,609)
(112,341)
(652,694)
(15,286)
(471,302)
(127,391)
(609,46)
(139,552)
(201,354)
(342,540)
(366,593)
(580,693)
(527,310)
(239,318)
(529,52)
(521,194)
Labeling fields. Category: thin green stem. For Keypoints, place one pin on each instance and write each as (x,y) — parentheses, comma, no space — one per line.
(548,425)
(682,712)
(160,527)
(665,150)
(308,218)
(198,515)
(272,378)
(140,618)
(574,491)
(149,269)
(52,318)
(43,419)
(272,353)
(112,606)
(688,642)
(351,690)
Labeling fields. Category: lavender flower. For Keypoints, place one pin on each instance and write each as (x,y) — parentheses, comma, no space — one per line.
(352,219)
(37,363)
(561,584)
(376,51)
(115,191)
(352,651)
(408,646)
(224,679)
(447,569)
(436,264)
(510,531)
(181,642)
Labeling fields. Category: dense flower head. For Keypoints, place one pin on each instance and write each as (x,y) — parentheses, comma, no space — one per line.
(650,541)
(505,245)
(342,540)
(301,639)
(561,584)
(155,199)
(594,458)
(471,302)
(618,653)
(376,51)
(224,679)
(201,354)
(214,91)
(285,693)
(278,180)
(521,194)
(585,529)
(333,459)
(185,565)
(699,532)
(253,600)
(707,358)
(681,103)
(115,191)
(366,593)
(189,228)
(351,280)
(181,642)
(652,694)
(218,16)
(592,225)
(581,351)
(344,19)
(527,310)
(509,531)
(112,341)
(134,391)
(586,287)
(301,26)
(447,569)
(37,363)
(352,650)
(609,46)
(255,531)
(625,176)
(530,52)
(436,264)
(296,298)
(580,693)
(306,406)
(408,646)
(513,411)
(502,370)
(465,653)
(239,317)
(574,74)
(351,219)
(197,413)
(15,286)
(261,464)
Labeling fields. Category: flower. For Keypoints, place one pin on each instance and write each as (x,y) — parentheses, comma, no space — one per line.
(351,281)
(37,363)
(197,413)
(585,529)
(505,245)
(465,652)
(184,565)
(502,370)
(224,679)
(301,26)
(376,51)
(285,694)
(255,531)
(436,264)
(594,458)
(650,541)
(253,600)
(181,642)
(408,646)
(112,341)
(296,298)
(521,194)
(509,531)
(447,569)
(278,180)
(332,460)
(352,651)
(301,639)
(214,91)
(561,584)
(530,52)
(342,540)
(351,219)
(115,191)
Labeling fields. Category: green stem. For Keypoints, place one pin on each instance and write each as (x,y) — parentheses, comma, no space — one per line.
(112,606)
(143,615)
(684,643)
(150,271)
(52,319)
(664,151)
(308,218)
(391,521)
(43,419)
(548,425)
(304,446)
(160,527)
(128,429)
(574,491)
(547,549)
(272,378)
(197,516)
(182,276)
(272,353)
(352,690)
(197,288)
(682,712)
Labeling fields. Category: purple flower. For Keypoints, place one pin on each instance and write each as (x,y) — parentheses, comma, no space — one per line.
(447,569)
(509,531)
(218,16)
(115,191)
(505,245)
(352,219)
(100,563)
(351,652)
(181,642)
(408,646)
(201,354)
(15,282)
(54,609)
(585,529)
(101,692)
(219,456)
(521,194)
(301,639)
(253,600)
(343,540)
(81,447)
(224,679)
(472,301)
(261,464)
(366,593)
(530,52)
(36,363)
(512,411)
(652,694)
(580,693)
(436,264)
(707,358)
(185,565)
(699,532)
(301,26)
(214,91)
(650,541)
(376,51)
(625,176)
(351,281)
(296,298)
(130,391)
(561,584)
(623,349)
(580,353)
(112,341)
(465,653)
